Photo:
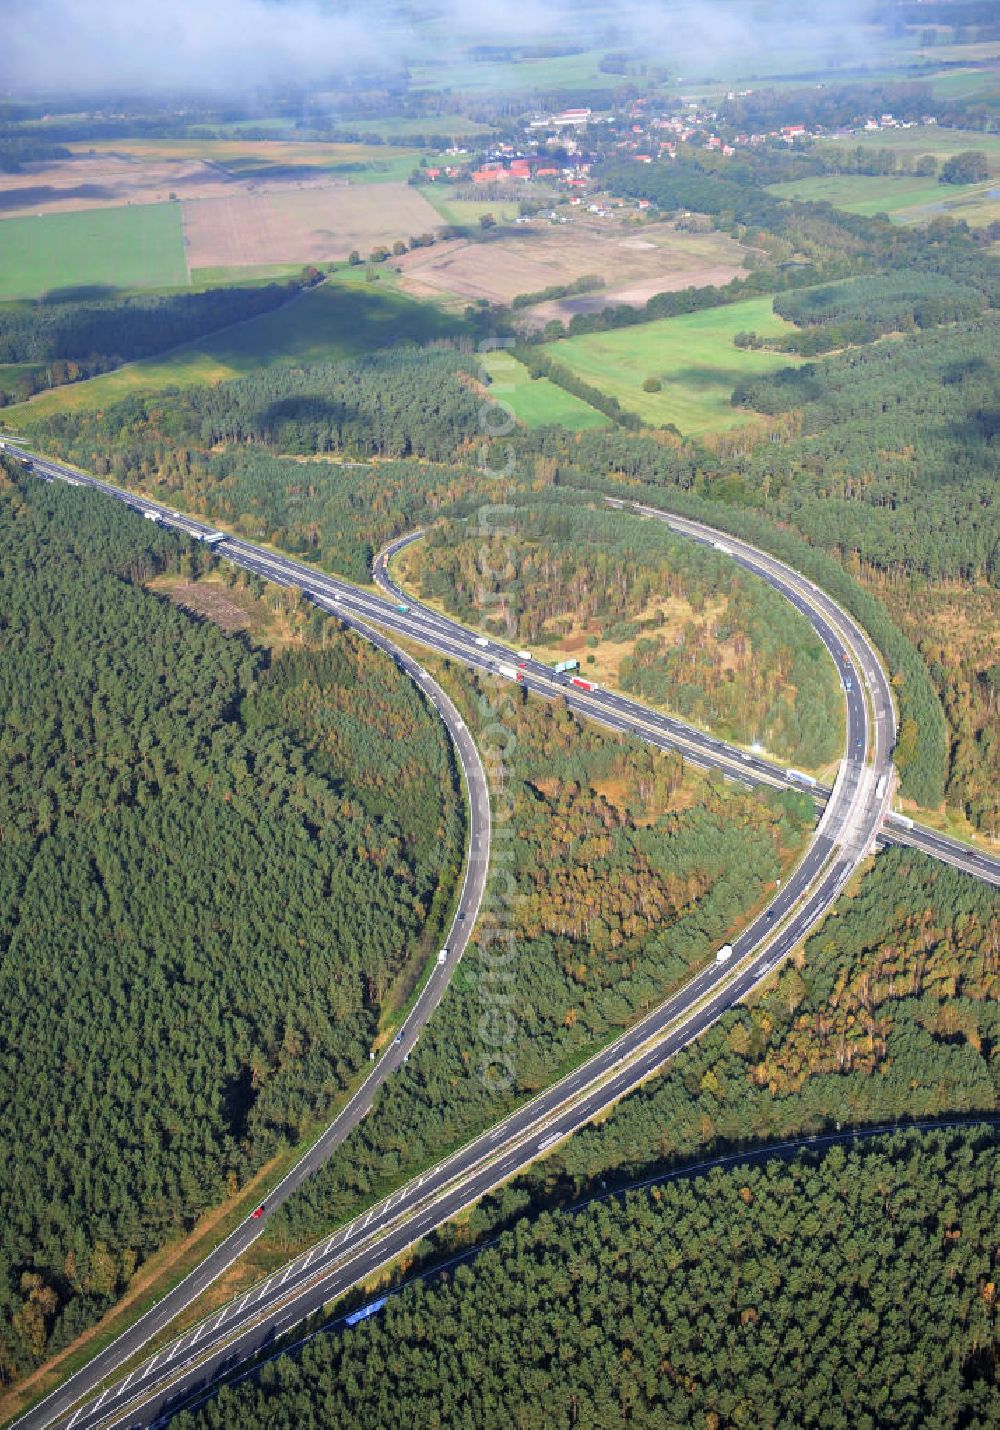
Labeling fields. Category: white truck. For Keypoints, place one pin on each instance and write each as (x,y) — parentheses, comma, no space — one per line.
(481,641)
(800,778)
(724,954)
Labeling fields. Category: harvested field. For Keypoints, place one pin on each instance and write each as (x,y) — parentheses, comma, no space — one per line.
(106,181)
(243,205)
(656,259)
(301,223)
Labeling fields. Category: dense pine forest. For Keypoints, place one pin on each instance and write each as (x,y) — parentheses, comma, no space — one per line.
(853,1287)
(228,851)
(740,660)
(890,1012)
(213,865)
(616,874)
(881,457)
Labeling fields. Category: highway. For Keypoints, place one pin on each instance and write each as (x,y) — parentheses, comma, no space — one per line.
(746,1157)
(696,745)
(467,906)
(849,824)
(614,711)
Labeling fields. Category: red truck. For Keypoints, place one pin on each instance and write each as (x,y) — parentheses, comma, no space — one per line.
(582,684)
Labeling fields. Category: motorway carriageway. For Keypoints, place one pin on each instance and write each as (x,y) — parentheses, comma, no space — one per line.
(670,733)
(846,832)
(466,911)
(614,711)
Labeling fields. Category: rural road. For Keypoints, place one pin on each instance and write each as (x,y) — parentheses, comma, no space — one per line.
(853,814)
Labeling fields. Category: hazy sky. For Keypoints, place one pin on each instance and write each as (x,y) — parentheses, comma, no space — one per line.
(231,46)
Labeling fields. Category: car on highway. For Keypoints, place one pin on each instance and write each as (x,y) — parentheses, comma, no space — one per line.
(256,1215)
(442,957)
(398,1039)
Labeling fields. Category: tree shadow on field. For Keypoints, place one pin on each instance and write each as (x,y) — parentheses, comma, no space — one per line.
(47,194)
(81,293)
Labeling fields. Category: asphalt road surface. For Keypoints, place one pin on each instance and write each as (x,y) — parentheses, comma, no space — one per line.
(463,922)
(851,819)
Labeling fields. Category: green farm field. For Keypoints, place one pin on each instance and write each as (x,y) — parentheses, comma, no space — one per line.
(455,127)
(513,76)
(250,275)
(139,246)
(905,200)
(338,320)
(693,356)
(537,402)
(932,139)
(463,212)
(253,156)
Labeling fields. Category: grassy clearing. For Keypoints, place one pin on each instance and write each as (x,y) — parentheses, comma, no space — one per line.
(693,356)
(12,372)
(246,277)
(537,402)
(335,321)
(932,139)
(133,247)
(464,212)
(905,200)
(961,84)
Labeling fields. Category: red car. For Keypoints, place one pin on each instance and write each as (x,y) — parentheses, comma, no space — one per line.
(258,1213)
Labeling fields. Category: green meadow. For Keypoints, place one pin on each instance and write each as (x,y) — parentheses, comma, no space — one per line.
(338,320)
(137,246)
(692,356)
(933,139)
(464,213)
(537,402)
(904,199)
